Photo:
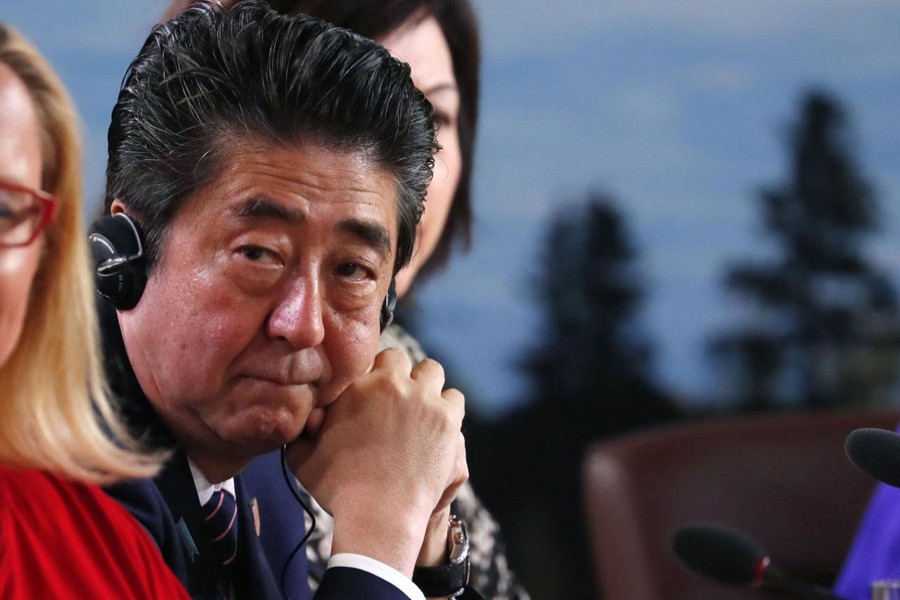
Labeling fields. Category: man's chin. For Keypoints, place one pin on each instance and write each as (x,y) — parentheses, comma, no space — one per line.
(268,432)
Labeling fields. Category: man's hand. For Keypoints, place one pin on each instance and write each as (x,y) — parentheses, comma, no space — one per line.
(388,460)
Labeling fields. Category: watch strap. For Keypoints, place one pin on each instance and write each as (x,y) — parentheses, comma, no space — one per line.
(444,581)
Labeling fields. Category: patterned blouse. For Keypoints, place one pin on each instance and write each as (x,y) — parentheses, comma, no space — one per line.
(490,573)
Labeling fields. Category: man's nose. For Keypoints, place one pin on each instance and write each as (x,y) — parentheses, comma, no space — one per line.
(298,316)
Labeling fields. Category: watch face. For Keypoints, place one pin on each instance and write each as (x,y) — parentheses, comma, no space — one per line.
(448,580)
(457,541)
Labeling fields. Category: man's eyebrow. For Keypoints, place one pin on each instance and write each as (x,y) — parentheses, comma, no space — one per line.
(262,207)
(371,233)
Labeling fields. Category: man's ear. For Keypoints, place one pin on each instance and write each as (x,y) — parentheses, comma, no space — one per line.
(116,207)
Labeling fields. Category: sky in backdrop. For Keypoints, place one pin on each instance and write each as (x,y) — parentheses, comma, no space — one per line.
(678,110)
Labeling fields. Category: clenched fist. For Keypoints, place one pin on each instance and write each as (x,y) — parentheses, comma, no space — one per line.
(387,460)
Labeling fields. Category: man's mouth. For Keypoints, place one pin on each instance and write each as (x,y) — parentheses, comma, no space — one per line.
(279,381)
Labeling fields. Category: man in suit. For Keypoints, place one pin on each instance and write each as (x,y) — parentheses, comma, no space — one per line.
(265,178)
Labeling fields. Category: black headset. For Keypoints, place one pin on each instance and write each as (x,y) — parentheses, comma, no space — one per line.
(390,303)
(120,268)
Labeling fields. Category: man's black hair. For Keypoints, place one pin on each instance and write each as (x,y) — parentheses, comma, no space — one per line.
(213,77)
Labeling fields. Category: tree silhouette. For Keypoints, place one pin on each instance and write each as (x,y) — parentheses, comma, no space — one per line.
(820,322)
(593,360)
(591,378)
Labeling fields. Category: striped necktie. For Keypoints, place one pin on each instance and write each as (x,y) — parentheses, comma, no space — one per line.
(220,514)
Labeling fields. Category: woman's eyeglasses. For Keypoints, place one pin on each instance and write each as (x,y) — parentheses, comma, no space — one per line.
(23,214)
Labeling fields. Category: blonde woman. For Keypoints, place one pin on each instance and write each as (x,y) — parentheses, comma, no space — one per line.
(60,535)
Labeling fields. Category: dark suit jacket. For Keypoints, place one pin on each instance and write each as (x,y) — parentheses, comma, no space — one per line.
(271,521)
(168,508)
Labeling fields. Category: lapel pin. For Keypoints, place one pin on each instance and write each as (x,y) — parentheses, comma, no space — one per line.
(254,509)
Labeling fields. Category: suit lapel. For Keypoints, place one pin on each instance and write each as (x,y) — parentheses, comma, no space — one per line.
(176,485)
(281,523)
(255,576)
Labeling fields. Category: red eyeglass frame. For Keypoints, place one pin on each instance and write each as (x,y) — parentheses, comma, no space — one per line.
(48,204)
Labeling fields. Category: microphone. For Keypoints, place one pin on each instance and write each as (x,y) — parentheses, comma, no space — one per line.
(728,556)
(876,452)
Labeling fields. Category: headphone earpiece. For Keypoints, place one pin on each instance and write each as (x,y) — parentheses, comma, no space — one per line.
(390,302)
(120,272)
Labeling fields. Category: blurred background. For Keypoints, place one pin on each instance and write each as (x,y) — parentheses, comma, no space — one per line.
(682,211)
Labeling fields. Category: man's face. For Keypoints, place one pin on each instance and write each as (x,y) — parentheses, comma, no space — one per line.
(265,304)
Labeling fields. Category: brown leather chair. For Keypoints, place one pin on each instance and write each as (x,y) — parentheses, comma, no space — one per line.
(782,479)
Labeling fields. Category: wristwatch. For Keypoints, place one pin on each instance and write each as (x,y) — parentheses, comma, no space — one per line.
(450,580)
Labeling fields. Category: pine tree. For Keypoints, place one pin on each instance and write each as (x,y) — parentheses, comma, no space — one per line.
(594,358)
(591,378)
(820,326)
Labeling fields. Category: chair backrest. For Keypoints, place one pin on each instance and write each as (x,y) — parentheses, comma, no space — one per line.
(783,479)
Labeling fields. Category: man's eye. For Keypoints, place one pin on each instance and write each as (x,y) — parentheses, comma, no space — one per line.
(353,271)
(255,253)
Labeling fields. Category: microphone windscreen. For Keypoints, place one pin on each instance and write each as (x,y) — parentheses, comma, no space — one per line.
(719,553)
(876,452)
